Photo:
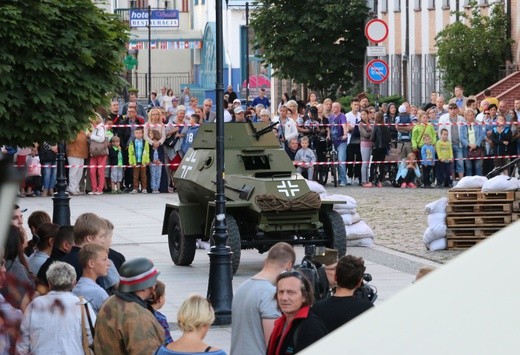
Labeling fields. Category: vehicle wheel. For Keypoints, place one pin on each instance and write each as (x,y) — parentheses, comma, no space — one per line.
(182,248)
(335,231)
(233,241)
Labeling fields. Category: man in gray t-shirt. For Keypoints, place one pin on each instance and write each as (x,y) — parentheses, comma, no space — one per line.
(254,308)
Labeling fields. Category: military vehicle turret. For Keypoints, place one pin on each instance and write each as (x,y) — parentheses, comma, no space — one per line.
(266,200)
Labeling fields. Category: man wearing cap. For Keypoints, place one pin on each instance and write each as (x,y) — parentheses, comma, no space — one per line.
(254,309)
(125,323)
(239,115)
(343,306)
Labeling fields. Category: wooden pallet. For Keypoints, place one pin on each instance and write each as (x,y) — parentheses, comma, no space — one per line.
(516,206)
(476,196)
(463,243)
(487,208)
(471,233)
(515,217)
(479,221)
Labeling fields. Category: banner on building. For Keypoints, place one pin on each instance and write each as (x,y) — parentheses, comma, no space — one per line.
(165,45)
(159,18)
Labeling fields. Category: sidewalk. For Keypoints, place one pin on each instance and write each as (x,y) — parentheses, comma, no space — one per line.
(138,225)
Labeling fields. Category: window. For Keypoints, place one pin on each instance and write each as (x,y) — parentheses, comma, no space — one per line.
(431,4)
(397,5)
(445,4)
(417,5)
(483,2)
(384,6)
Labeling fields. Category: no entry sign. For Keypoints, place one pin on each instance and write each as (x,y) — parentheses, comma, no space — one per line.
(377,71)
(376,30)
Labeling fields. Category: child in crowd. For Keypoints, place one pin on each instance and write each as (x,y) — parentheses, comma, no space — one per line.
(427,160)
(305,158)
(189,133)
(33,181)
(445,156)
(139,158)
(159,300)
(94,261)
(111,280)
(408,172)
(98,157)
(115,157)
(156,165)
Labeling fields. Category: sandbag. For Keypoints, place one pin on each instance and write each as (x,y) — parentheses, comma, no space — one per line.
(359,230)
(350,219)
(439,244)
(436,218)
(500,183)
(316,186)
(434,233)
(365,242)
(438,206)
(471,182)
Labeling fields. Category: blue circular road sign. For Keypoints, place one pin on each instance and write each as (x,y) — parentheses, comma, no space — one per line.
(377,71)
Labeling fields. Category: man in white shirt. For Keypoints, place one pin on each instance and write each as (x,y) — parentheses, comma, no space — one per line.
(353,143)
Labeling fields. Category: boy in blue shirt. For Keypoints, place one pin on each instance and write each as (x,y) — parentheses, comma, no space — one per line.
(428,160)
(189,133)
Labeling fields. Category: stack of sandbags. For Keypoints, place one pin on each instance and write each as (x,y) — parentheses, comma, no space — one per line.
(500,183)
(471,182)
(359,234)
(435,234)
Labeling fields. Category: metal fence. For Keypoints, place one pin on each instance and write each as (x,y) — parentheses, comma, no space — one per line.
(169,80)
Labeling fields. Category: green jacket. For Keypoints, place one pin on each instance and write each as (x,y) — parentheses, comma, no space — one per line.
(126,327)
(418,133)
(132,157)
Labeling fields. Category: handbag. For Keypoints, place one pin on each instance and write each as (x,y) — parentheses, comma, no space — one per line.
(171,141)
(98,149)
(475,153)
(88,349)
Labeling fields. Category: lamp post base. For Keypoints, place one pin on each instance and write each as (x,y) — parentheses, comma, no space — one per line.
(220,290)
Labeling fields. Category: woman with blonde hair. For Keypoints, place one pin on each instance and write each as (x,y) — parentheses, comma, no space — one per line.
(194,319)
(155,134)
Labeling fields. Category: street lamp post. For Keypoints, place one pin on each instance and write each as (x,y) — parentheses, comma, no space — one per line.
(220,290)
(61,207)
(149,52)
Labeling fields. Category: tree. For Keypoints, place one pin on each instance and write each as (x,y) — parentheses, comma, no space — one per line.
(58,60)
(316,42)
(470,51)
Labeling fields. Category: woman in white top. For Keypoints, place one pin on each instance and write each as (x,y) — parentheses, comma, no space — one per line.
(167,100)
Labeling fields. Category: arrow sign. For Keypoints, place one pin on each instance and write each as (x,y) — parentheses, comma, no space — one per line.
(377,71)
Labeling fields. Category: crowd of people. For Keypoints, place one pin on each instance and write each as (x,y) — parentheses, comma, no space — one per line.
(137,149)
(66,291)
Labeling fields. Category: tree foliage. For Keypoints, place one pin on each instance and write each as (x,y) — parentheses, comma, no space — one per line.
(316,42)
(471,50)
(58,59)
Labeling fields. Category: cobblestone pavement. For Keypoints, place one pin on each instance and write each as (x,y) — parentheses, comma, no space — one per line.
(397,217)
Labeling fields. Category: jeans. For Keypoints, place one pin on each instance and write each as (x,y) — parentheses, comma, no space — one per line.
(354,159)
(365,157)
(473,166)
(49,175)
(459,154)
(97,172)
(342,158)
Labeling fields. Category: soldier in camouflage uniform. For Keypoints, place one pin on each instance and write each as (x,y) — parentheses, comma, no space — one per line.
(125,323)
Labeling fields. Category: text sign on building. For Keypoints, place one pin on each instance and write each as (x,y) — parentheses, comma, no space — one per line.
(377,71)
(159,18)
(376,51)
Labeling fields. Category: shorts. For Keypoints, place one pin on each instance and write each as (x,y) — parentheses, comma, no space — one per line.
(116,173)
